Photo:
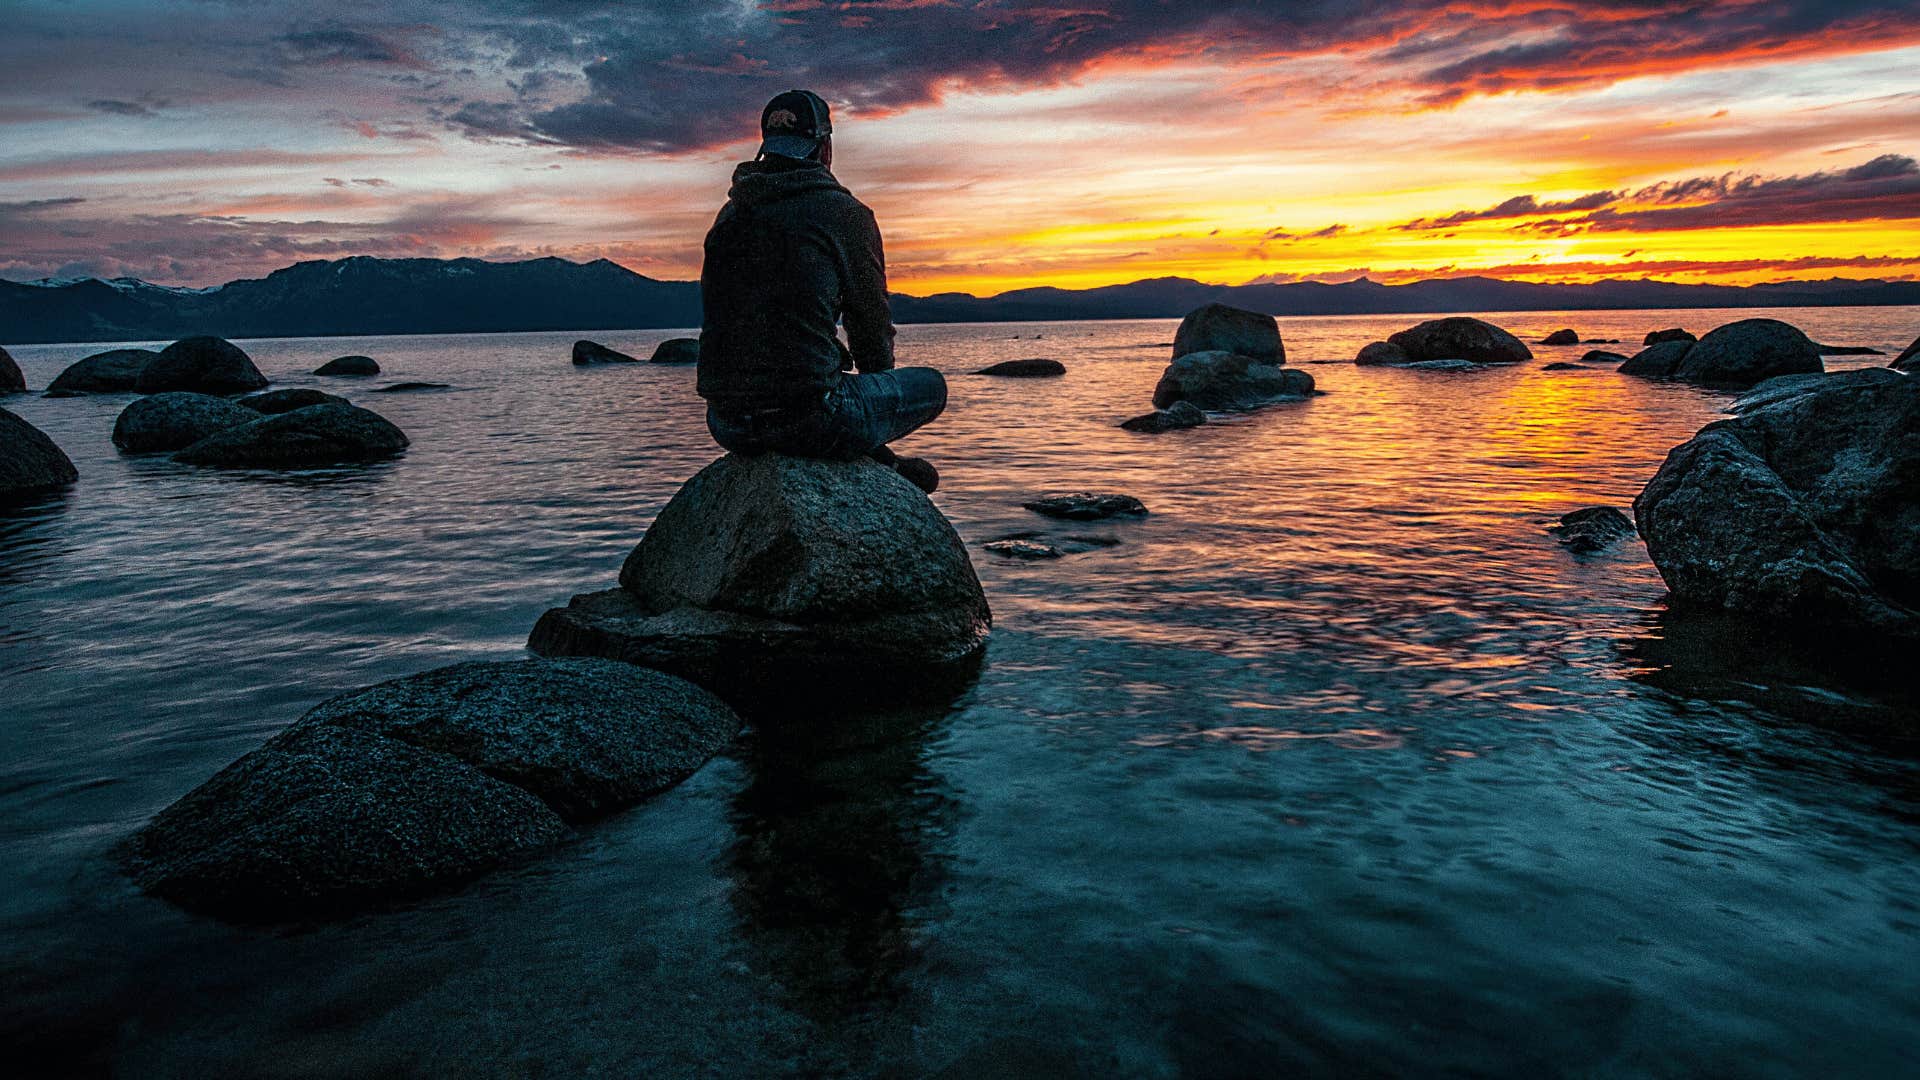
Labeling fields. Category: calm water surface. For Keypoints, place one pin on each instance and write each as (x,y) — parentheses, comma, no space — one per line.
(1335,763)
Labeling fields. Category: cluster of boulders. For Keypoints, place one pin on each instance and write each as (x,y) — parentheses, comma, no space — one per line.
(1456,343)
(1224,359)
(670,351)
(201,365)
(403,788)
(285,429)
(1736,355)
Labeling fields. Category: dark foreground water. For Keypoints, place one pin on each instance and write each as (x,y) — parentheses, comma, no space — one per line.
(1336,763)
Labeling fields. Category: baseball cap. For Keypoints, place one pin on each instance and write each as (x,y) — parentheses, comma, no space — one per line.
(793,124)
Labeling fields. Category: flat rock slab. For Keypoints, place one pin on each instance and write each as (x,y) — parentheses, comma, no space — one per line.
(1036,368)
(174,420)
(585,735)
(1086,506)
(315,435)
(30,461)
(113,371)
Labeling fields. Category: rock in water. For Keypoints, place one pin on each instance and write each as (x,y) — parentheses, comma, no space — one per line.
(1086,506)
(11,380)
(326,820)
(1847,350)
(1219,328)
(1782,387)
(274,402)
(1589,530)
(1180,414)
(1659,361)
(680,350)
(104,373)
(774,568)
(1805,509)
(1562,365)
(592,352)
(1224,380)
(1909,358)
(585,735)
(1025,369)
(174,420)
(29,461)
(1743,353)
(1022,549)
(1561,337)
(204,365)
(410,387)
(1656,337)
(349,365)
(1460,338)
(1382,352)
(1602,356)
(315,435)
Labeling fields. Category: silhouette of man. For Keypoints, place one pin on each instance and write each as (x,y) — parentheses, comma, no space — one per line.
(790,256)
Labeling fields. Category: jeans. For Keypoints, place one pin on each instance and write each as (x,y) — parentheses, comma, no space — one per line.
(857,417)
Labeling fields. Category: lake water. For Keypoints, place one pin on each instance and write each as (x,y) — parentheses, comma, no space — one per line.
(1336,763)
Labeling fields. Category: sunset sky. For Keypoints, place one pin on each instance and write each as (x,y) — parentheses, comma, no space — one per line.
(1002,144)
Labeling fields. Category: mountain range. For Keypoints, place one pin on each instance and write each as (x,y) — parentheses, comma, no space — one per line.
(366,295)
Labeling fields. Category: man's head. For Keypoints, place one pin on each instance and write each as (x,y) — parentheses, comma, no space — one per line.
(795,124)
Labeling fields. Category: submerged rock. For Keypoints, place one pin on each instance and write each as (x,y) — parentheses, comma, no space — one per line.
(327,820)
(1180,414)
(1382,352)
(1659,361)
(592,352)
(274,402)
(29,460)
(680,350)
(1656,337)
(1603,356)
(1592,529)
(204,365)
(1086,506)
(1020,548)
(1561,337)
(349,365)
(1846,350)
(410,387)
(1909,358)
(1460,338)
(315,435)
(1224,380)
(1746,352)
(585,735)
(174,420)
(1562,365)
(1219,328)
(1803,509)
(1025,369)
(107,372)
(770,568)
(1442,365)
(11,380)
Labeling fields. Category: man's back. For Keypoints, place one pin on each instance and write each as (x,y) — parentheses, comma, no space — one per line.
(789,256)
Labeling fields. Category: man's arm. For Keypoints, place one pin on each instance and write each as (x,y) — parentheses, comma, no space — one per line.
(864,309)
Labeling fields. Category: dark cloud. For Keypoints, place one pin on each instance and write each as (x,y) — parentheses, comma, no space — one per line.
(1886,188)
(113,107)
(1285,236)
(36,206)
(1516,207)
(338,45)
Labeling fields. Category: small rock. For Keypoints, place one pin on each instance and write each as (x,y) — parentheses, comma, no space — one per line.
(1602,356)
(1657,337)
(1589,530)
(174,420)
(204,365)
(1382,352)
(1223,380)
(1564,366)
(1847,350)
(107,372)
(1461,338)
(1025,369)
(11,380)
(409,387)
(680,350)
(1086,506)
(1181,414)
(29,460)
(592,352)
(274,402)
(1219,328)
(1561,337)
(349,365)
(1022,549)
(1601,341)
(315,435)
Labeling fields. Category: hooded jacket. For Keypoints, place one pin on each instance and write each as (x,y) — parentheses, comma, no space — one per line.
(792,254)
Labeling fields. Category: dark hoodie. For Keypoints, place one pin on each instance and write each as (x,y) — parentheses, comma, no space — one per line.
(791,254)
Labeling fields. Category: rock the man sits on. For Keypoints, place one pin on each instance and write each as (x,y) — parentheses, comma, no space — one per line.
(792,255)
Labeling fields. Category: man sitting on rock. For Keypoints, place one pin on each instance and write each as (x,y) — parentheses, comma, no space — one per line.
(791,255)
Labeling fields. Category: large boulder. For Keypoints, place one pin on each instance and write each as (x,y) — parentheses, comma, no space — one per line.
(326,820)
(275,402)
(1224,380)
(592,352)
(680,350)
(315,435)
(1659,361)
(585,735)
(11,380)
(174,420)
(1382,352)
(1909,358)
(29,461)
(773,570)
(1743,353)
(206,365)
(1219,328)
(1782,387)
(103,373)
(1460,338)
(1656,337)
(1805,508)
(349,365)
